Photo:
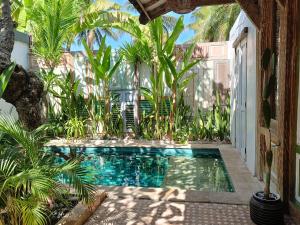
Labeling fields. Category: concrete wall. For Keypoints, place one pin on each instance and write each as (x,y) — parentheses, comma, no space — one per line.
(20,55)
(250,77)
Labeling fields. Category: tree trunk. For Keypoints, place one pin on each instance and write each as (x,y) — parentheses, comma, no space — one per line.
(106,105)
(24,90)
(173,109)
(7,35)
(136,96)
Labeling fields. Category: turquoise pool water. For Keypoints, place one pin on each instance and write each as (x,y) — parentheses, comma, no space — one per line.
(196,169)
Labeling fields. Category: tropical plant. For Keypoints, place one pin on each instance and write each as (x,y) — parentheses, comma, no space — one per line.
(146,126)
(50,23)
(95,115)
(29,176)
(75,128)
(5,77)
(176,76)
(66,88)
(155,43)
(213,23)
(135,55)
(182,120)
(222,117)
(115,122)
(104,71)
(91,24)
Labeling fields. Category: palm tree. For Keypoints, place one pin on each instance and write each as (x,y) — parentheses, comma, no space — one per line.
(29,176)
(50,23)
(135,55)
(93,14)
(213,23)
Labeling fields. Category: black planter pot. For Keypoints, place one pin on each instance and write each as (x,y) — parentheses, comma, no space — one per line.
(266,211)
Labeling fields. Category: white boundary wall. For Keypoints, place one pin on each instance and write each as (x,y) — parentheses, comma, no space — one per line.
(242,22)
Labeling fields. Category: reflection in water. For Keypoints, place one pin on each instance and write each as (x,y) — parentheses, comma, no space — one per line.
(202,170)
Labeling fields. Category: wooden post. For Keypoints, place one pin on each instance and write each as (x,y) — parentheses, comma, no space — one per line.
(265,40)
(288,91)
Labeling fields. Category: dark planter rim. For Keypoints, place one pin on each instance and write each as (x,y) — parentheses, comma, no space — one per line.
(263,200)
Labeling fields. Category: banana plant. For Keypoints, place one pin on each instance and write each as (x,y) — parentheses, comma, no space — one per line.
(176,78)
(155,41)
(5,77)
(161,44)
(103,71)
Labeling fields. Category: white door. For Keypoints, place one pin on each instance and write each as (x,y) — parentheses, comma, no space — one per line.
(241,97)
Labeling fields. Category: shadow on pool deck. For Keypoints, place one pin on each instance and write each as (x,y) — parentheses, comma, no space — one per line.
(129,211)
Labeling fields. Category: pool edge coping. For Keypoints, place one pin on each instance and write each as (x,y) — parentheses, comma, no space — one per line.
(243,182)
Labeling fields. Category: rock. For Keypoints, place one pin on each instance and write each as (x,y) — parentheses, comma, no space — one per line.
(25,91)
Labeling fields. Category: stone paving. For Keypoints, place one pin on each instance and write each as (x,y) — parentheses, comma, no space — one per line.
(130,211)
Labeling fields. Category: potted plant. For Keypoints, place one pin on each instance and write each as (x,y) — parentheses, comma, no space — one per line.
(266,207)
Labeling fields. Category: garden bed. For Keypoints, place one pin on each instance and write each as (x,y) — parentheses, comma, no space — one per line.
(82,212)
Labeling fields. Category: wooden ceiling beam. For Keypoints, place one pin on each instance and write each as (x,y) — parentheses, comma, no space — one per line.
(177,6)
(251,7)
(159,11)
(150,3)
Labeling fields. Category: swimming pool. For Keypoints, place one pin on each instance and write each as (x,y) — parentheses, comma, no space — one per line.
(195,169)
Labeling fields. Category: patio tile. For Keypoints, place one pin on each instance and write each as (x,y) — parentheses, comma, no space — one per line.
(118,211)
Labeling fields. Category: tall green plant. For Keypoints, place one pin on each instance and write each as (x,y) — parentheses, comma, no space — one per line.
(133,55)
(66,89)
(50,23)
(91,24)
(176,78)
(154,39)
(222,117)
(28,177)
(161,44)
(103,71)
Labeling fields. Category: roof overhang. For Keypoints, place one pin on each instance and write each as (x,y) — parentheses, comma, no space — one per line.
(150,9)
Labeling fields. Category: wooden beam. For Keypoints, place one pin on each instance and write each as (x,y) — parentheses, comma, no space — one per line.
(252,9)
(150,3)
(288,94)
(195,3)
(264,40)
(171,5)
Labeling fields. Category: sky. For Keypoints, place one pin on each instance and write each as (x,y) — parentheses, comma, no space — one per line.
(185,36)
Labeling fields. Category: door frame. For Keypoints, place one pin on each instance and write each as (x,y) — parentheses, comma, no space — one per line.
(241,46)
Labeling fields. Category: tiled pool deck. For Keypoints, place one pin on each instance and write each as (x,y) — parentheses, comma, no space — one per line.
(129,205)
